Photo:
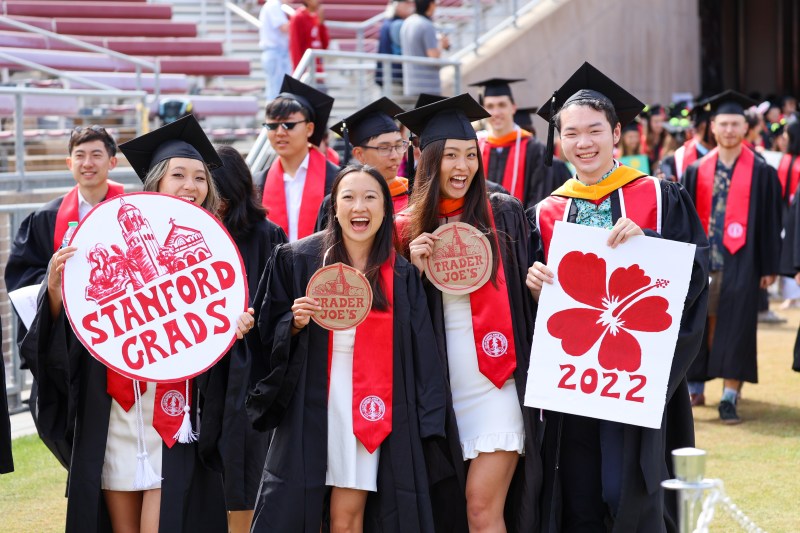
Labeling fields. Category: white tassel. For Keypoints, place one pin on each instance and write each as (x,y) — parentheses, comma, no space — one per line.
(146,477)
(185,434)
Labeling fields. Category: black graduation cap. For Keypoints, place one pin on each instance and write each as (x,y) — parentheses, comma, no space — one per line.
(633,126)
(730,103)
(446,119)
(317,103)
(426,98)
(523,117)
(588,83)
(181,138)
(496,86)
(372,120)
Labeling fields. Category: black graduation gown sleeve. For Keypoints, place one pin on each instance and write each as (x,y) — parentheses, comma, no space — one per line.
(790,259)
(647,451)
(32,247)
(447,467)
(6,460)
(292,399)
(733,354)
(322,215)
(73,398)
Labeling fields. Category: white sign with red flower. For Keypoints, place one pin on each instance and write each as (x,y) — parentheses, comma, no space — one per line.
(606,329)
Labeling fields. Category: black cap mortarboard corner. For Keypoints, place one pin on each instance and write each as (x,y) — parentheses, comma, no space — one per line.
(588,83)
(373,120)
(426,98)
(524,117)
(497,86)
(450,118)
(317,103)
(729,103)
(181,138)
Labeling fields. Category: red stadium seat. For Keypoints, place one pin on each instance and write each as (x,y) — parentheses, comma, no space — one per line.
(86,10)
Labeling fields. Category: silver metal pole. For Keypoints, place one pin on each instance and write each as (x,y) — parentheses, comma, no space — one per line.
(19,141)
(690,468)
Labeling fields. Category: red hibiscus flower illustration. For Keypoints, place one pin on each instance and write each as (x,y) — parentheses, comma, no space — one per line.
(617,307)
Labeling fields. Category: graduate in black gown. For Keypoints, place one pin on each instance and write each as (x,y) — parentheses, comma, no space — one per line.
(92,155)
(738,198)
(243,449)
(508,148)
(73,385)
(602,475)
(488,474)
(6,459)
(301,489)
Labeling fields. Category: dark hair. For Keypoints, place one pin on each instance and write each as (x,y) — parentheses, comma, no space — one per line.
(281,107)
(793,132)
(427,193)
(422,6)
(595,103)
(235,186)
(81,135)
(384,242)
(752,117)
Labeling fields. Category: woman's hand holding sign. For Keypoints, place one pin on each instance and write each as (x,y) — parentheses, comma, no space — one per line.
(54,278)
(245,323)
(420,249)
(303,309)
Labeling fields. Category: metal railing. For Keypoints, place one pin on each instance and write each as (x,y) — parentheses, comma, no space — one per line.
(137,62)
(19,94)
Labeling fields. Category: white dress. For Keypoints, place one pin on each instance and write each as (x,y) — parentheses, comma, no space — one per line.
(350,465)
(489,419)
(120,461)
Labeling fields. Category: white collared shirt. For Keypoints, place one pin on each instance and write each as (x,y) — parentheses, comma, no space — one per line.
(83,206)
(293,187)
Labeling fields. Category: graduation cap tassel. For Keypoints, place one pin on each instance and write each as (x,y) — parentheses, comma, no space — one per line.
(410,170)
(185,434)
(146,477)
(347,149)
(551,131)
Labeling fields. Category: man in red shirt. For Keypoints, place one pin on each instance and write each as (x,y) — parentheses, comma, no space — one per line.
(307,30)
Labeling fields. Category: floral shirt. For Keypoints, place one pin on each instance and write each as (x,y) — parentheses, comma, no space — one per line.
(716,224)
(596,215)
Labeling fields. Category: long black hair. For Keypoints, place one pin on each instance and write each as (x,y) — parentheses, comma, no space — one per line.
(427,193)
(384,242)
(235,186)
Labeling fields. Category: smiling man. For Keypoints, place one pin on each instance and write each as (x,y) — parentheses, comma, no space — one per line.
(599,472)
(511,156)
(300,177)
(92,155)
(738,198)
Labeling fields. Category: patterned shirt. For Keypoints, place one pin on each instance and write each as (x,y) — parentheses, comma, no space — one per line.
(594,215)
(716,224)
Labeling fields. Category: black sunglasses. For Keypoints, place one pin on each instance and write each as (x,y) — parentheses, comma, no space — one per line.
(272,126)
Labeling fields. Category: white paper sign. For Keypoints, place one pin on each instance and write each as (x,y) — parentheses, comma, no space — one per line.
(606,328)
(24,300)
(155,288)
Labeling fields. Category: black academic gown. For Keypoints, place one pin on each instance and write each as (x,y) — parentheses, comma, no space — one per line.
(647,452)
(540,180)
(790,258)
(242,448)
(292,399)
(6,460)
(447,466)
(733,354)
(27,263)
(72,391)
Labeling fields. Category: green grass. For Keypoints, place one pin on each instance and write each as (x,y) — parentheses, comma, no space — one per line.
(32,497)
(759,460)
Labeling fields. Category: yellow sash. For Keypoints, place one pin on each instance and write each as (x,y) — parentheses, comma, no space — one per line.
(621,176)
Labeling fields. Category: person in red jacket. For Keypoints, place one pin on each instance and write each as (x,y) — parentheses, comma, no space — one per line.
(307,30)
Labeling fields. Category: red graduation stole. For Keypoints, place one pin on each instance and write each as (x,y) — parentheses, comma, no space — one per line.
(68,210)
(274,198)
(738,209)
(373,357)
(789,184)
(515,187)
(689,154)
(639,200)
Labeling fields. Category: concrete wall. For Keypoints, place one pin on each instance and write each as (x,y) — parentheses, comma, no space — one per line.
(650,47)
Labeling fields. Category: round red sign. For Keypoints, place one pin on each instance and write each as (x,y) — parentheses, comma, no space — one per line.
(344,294)
(155,287)
(461,261)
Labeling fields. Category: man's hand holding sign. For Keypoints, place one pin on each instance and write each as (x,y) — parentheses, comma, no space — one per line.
(607,323)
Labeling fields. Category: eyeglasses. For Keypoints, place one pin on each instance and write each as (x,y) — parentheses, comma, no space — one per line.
(387,150)
(272,126)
